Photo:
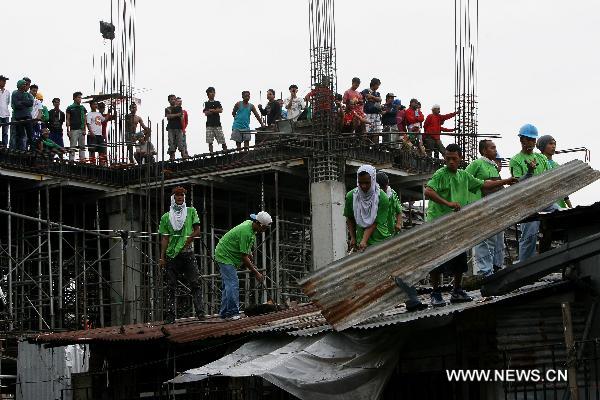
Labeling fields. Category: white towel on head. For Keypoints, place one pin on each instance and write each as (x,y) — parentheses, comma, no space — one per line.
(177,214)
(366,204)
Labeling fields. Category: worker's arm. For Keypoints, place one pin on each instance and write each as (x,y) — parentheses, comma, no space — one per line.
(235,109)
(351,226)
(398,226)
(195,233)
(447,116)
(144,127)
(366,236)
(171,115)
(432,195)
(247,262)
(164,243)
(258,118)
(447,129)
(490,184)
(68,119)
(568,202)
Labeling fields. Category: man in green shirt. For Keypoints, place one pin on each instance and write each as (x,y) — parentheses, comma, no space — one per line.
(485,168)
(523,165)
(366,211)
(233,251)
(547,146)
(178,227)
(448,190)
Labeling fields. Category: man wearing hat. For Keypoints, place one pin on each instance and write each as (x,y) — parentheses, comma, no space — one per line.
(388,120)
(233,251)
(523,165)
(4,109)
(433,127)
(178,227)
(22,103)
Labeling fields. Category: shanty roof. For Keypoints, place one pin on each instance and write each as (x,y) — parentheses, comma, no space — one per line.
(351,290)
(303,320)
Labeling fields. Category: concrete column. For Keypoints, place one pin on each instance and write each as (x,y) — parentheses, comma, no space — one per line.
(328,222)
(121,217)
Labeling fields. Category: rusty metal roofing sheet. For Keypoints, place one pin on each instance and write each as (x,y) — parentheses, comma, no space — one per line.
(352,289)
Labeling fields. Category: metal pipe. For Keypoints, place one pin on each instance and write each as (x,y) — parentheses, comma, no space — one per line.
(10,272)
(84,246)
(264,244)
(60,254)
(49,244)
(212,236)
(43,221)
(39,277)
(99,268)
(277,238)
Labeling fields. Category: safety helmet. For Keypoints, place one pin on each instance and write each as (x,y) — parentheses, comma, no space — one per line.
(529,131)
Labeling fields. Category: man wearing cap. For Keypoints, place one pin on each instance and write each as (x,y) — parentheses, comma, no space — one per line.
(4,109)
(523,165)
(388,119)
(547,146)
(234,250)
(433,127)
(21,102)
(178,227)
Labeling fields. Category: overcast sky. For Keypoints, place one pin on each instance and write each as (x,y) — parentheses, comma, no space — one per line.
(538,60)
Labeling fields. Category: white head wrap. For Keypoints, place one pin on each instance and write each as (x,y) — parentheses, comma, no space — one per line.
(177,214)
(366,204)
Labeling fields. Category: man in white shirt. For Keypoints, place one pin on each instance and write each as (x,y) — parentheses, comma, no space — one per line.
(4,109)
(94,120)
(293,104)
(36,114)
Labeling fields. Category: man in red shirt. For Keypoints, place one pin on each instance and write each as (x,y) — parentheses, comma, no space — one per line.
(184,117)
(433,127)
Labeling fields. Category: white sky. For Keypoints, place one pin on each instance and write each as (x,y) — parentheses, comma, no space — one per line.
(538,60)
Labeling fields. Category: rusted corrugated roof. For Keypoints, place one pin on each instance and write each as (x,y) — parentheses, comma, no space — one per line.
(184,331)
(357,287)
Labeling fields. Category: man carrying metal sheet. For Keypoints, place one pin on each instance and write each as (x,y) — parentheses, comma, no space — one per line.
(234,250)
(179,226)
(366,211)
(524,164)
(448,190)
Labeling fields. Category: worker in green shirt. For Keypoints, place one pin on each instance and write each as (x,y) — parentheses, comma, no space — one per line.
(547,146)
(394,223)
(484,168)
(366,211)
(523,165)
(448,190)
(233,251)
(178,227)
(45,144)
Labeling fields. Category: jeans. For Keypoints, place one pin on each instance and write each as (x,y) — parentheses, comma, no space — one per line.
(5,130)
(77,139)
(489,253)
(21,135)
(183,265)
(230,296)
(529,234)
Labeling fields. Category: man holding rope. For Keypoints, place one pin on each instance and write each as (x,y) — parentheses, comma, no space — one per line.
(179,226)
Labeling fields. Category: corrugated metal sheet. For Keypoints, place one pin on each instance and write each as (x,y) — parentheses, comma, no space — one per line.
(357,287)
(43,373)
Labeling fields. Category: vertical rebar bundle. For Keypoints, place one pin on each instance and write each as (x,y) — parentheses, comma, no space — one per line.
(323,74)
(466,39)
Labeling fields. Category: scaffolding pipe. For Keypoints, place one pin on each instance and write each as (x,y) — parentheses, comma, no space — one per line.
(85,303)
(49,244)
(39,235)
(60,225)
(264,244)
(277,238)
(60,254)
(99,269)
(10,272)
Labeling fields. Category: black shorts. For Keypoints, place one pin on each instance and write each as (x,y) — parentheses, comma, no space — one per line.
(97,144)
(458,264)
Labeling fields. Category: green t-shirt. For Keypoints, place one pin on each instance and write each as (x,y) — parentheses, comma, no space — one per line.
(235,243)
(518,166)
(381,232)
(455,187)
(177,238)
(49,144)
(551,165)
(394,209)
(483,170)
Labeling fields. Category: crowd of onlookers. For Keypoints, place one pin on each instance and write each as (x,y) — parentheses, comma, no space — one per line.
(27,124)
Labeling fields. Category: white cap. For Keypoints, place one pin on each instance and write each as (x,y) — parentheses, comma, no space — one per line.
(262,218)
(435,106)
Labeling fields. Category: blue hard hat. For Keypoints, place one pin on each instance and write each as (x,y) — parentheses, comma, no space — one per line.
(397,102)
(529,131)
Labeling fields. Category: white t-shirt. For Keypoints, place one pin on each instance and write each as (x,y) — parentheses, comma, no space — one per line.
(296,109)
(37,106)
(94,120)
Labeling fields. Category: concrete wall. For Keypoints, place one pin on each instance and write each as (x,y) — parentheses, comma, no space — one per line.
(328,222)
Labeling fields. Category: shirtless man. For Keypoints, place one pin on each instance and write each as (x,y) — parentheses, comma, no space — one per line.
(131,122)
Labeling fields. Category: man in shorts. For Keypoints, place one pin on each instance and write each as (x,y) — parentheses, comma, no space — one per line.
(176,139)
(212,109)
(240,130)
(131,122)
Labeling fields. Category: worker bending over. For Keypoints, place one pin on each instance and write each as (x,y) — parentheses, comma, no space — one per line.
(366,211)
(234,250)
(448,190)
(179,226)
